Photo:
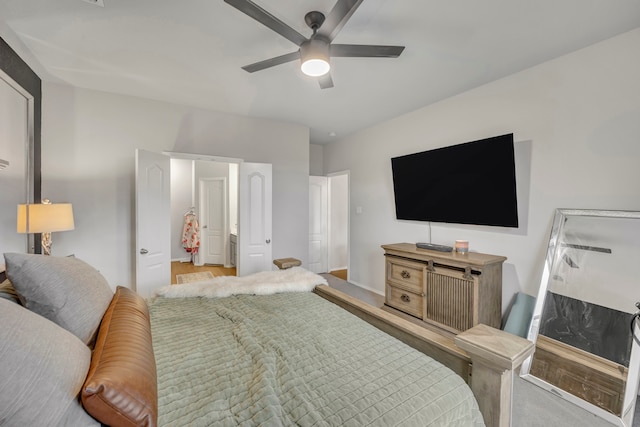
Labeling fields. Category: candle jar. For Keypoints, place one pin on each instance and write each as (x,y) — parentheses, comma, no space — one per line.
(462,246)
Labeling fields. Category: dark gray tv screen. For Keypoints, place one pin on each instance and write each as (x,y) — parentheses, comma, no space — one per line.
(471,183)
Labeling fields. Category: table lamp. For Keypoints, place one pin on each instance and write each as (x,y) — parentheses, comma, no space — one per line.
(45,218)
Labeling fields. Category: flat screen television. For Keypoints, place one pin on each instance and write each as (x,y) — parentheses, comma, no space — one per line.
(471,183)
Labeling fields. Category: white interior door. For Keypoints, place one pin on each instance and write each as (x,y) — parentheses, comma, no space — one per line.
(318,224)
(213,220)
(153,222)
(254,229)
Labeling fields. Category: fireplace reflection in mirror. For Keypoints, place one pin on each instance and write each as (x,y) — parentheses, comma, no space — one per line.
(585,351)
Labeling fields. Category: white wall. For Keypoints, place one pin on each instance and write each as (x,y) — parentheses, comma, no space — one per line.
(315,159)
(338,221)
(579,115)
(88,143)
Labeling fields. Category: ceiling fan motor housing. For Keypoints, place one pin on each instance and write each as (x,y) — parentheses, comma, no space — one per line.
(314,55)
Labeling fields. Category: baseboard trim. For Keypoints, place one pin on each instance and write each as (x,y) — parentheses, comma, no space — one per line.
(360,285)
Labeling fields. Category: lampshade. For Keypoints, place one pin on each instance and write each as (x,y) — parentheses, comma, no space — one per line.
(45,218)
(314,55)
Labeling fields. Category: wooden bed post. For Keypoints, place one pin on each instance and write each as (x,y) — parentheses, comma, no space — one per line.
(495,355)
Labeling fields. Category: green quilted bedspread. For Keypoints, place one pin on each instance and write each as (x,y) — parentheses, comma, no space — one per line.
(294,359)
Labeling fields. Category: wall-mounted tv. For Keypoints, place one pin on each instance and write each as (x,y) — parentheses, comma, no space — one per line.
(471,183)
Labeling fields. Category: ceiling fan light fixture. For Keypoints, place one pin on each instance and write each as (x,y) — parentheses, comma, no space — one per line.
(314,57)
(314,52)
(315,67)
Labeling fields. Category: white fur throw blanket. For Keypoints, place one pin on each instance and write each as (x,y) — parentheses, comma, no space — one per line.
(295,279)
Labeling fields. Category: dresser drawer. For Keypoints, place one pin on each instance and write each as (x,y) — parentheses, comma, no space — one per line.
(406,274)
(404,300)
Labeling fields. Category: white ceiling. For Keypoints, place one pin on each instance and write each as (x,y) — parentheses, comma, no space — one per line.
(190,51)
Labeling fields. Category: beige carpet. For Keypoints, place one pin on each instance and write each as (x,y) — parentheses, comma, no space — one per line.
(193,277)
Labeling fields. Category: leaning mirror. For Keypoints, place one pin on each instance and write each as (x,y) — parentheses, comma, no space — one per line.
(583,318)
(16,160)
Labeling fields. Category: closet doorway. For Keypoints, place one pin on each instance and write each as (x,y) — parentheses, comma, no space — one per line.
(329,223)
(207,190)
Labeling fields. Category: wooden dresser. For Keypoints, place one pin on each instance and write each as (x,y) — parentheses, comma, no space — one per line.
(449,290)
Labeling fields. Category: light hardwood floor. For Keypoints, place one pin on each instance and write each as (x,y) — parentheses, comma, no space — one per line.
(340,273)
(178,267)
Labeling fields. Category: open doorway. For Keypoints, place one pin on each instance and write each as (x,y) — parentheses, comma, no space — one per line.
(339,224)
(204,194)
(153,252)
(329,224)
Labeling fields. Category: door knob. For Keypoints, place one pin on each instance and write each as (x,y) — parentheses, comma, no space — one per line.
(204,226)
(268,241)
(143,251)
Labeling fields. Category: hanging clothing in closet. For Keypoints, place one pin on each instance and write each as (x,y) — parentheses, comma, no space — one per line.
(191,233)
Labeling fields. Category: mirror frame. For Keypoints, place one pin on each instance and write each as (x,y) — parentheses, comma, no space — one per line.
(25,81)
(631,388)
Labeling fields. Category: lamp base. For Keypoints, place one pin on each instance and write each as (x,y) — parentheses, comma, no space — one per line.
(46,243)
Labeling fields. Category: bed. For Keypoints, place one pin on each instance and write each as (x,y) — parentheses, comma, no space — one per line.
(287,356)
(294,359)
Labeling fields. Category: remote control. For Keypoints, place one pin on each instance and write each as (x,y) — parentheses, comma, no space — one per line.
(434,247)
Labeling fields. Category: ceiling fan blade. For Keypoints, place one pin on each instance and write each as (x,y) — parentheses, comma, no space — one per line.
(365,51)
(259,14)
(338,16)
(267,63)
(325,81)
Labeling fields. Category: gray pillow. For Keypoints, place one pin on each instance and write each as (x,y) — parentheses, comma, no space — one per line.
(65,290)
(43,368)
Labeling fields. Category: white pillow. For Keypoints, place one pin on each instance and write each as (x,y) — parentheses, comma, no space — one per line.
(65,290)
(43,368)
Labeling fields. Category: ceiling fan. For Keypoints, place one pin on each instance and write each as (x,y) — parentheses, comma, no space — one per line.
(314,52)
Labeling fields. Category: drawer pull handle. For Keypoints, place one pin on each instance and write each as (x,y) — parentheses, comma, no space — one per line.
(405,274)
(405,298)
